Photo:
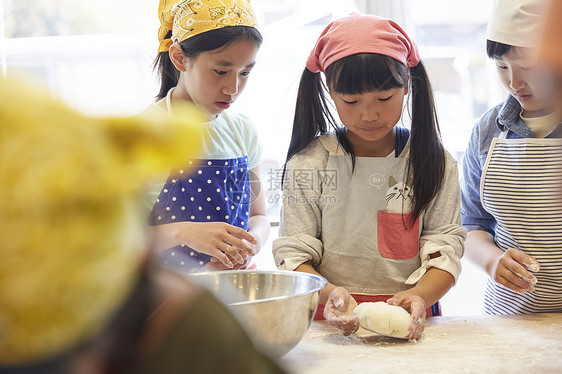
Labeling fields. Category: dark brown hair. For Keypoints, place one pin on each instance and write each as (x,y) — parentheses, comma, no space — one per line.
(192,47)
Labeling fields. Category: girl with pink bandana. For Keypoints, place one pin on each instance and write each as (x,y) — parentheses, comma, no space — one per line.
(369,205)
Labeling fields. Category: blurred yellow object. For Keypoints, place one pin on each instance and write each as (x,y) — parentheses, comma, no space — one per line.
(71,238)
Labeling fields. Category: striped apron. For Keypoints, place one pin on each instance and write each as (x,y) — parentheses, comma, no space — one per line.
(521,188)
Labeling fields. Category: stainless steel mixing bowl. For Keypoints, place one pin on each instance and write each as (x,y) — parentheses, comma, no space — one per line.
(275,307)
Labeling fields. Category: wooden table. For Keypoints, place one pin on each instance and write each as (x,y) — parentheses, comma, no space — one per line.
(476,344)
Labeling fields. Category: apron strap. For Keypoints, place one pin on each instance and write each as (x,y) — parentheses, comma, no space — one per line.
(169,100)
(331,144)
(503,134)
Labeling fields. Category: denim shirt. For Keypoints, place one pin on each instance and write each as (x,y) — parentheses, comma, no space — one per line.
(490,125)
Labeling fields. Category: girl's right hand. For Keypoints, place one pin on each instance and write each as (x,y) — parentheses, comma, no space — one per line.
(338,311)
(415,305)
(216,239)
(510,270)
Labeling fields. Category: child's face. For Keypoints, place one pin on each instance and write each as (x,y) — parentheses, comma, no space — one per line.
(215,79)
(526,81)
(372,115)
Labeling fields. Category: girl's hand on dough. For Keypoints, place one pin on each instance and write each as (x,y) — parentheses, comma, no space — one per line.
(220,240)
(338,311)
(415,305)
(215,264)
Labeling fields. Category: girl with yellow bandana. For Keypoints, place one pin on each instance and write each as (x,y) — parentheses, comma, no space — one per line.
(212,216)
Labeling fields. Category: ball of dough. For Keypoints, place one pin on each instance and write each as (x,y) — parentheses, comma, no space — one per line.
(384,319)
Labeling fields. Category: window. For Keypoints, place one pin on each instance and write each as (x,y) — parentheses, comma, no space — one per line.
(84,51)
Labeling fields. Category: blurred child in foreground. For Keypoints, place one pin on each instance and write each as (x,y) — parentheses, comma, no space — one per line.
(78,293)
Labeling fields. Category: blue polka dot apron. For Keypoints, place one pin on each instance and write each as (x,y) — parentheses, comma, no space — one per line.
(214,190)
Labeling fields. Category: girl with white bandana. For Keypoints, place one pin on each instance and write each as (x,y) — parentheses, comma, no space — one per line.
(510,189)
(214,216)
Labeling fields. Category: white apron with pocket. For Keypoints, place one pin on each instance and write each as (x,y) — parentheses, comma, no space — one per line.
(368,250)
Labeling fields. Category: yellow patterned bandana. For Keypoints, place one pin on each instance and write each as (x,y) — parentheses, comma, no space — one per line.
(186,18)
(71,236)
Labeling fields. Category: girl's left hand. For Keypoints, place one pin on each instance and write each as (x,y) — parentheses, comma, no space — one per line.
(338,311)
(415,305)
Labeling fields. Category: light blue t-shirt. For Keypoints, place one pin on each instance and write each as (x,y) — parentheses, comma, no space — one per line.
(230,135)
(238,138)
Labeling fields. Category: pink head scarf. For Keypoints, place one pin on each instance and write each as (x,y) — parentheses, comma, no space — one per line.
(360,33)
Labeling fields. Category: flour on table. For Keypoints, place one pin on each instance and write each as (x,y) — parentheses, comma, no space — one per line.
(384,319)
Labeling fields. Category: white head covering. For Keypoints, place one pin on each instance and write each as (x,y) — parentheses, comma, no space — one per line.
(517,22)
